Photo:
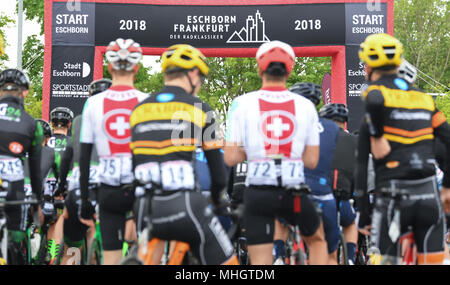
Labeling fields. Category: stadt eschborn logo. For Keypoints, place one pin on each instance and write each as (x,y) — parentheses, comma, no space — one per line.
(218,27)
(254,31)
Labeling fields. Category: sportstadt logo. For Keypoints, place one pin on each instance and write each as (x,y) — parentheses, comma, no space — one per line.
(254,31)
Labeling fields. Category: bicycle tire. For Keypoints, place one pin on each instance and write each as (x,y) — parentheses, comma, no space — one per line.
(94,250)
(342,254)
(363,246)
(132,258)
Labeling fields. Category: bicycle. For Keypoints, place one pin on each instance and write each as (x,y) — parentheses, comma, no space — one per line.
(143,252)
(94,246)
(3,229)
(297,251)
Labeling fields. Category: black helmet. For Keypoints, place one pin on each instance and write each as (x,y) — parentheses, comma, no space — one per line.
(61,114)
(98,86)
(335,111)
(14,76)
(309,90)
(46,127)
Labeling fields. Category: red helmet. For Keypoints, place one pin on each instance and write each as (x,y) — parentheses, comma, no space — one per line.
(275,51)
(123,54)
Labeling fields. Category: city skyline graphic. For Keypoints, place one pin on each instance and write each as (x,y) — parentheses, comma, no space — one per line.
(254,31)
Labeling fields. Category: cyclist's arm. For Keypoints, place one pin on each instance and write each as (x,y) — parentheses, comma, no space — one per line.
(442,131)
(212,149)
(362,160)
(47,162)
(87,135)
(234,154)
(375,116)
(311,152)
(66,160)
(85,161)
(234,151)
(34,161)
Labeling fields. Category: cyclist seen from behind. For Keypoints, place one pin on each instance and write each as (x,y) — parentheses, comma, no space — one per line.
(75,231)
(20,135)
(166,130)
(276,131)
(105,125)
(61,121)
(400,125)
(318,179)
(342,174)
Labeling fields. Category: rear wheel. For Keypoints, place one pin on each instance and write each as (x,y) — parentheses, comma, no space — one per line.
(94,255)
(342,253)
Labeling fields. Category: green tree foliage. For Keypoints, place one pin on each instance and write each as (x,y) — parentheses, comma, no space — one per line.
(5,22)
(423,26)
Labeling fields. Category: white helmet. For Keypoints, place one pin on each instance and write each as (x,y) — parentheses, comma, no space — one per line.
(124,54)
(275,51)
(407,71)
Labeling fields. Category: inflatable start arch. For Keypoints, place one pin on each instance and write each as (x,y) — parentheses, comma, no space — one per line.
(78,31)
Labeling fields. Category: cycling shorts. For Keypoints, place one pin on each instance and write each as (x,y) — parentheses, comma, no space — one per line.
(185,216)
(114,204)
(74,230)
(16,216)
(420,213)
(348,214)
(264,204)
(327,204)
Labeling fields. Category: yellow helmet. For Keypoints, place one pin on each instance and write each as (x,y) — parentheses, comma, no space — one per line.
(381,50)
(183,56)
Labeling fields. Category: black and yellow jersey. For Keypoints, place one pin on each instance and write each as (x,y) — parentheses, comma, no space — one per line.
(169,125)
(409,120)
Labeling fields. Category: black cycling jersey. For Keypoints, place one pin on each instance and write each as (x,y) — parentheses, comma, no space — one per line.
(21,134)
(169,125)
(50,162)
(409,120)
(58,142)
(71,156)
(343,165)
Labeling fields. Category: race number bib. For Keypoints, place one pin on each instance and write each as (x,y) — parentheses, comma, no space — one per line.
(177,175)
(292,172)
(28,190)
(147,173)
(11,169)
(262,172)
(50,186)
(74,180)
(116,170)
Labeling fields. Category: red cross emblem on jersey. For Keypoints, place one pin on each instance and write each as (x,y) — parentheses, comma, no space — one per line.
(116,124)
(277,126)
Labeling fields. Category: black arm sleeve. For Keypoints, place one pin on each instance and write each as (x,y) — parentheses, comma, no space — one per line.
(66,160)
(34,161)
(443,133)
(218,172)
(362,160)
(85,161)
(374,116)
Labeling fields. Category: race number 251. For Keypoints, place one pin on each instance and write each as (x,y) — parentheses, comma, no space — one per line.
(133,25)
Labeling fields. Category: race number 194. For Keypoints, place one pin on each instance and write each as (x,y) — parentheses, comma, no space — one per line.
(304,25)
(133,25)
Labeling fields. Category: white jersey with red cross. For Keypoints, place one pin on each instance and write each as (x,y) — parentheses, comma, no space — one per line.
(106,124)
(272,122)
